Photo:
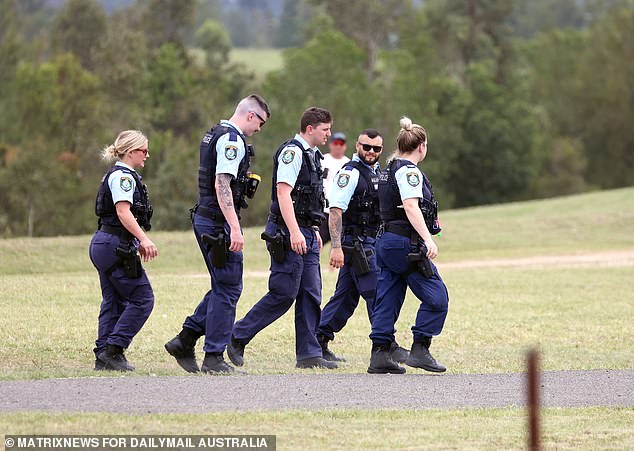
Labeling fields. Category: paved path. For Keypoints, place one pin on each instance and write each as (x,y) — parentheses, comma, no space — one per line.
(197,394)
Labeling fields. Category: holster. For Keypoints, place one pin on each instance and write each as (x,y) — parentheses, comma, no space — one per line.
(278,245)
(219,248)
(420,262)
(130,261)
(359,256)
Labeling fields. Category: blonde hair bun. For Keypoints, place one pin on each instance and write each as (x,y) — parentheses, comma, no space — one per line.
(406,123)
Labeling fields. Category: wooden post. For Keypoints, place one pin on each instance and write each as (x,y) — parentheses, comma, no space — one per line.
(533,399)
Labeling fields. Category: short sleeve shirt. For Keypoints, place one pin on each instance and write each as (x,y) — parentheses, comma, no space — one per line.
(122,185)
(344,183)
(332,165)
(229,151)
(290,162)
(410,182)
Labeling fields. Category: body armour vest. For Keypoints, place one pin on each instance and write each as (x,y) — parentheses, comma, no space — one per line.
(362,215)
(141,207)
(207,171)
(308,193)
(391,205)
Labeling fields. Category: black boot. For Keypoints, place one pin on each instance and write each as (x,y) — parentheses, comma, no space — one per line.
(183,348)
(327,353)
(381,362)
(235,351)
(215,363)
(315,362)
(99,365)
(419,357)
(398,354)
(113,359)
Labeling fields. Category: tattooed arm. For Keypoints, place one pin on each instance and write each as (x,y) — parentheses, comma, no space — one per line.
(225,201)
(335,226)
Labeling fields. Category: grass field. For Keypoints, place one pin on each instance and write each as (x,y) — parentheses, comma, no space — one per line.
(578,315)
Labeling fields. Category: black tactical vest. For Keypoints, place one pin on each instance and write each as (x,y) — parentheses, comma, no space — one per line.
(141,207)
(362,216)
(308,193)
(207,197)
(391,206)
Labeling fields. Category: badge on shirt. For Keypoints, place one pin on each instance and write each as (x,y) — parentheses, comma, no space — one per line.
(125,183)
(231,152)
(342,180)
(288,156)
(412,178)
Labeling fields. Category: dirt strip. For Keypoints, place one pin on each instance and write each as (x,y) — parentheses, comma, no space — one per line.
(200,393)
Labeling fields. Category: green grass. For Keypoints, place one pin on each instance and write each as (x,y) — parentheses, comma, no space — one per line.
(464,429)
(260,61)
(579,316)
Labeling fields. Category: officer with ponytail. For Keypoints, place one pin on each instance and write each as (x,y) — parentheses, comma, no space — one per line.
(124,212)
(405,248)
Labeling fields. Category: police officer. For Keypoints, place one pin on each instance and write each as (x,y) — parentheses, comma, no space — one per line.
(293,240)
(354,220)
(124,210)
(223,184)
(404,249)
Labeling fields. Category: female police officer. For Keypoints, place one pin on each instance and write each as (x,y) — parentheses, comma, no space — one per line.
(404,249)
(124,210)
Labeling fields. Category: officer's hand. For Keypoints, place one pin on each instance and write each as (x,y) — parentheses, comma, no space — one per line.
(336,257)
(147,249)
(298,243)
(237,241)
(432,249)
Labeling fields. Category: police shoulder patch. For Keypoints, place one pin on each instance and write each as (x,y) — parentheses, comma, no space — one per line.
(231,152)
(342,180)
(412,178)
(288,156)
(125,183)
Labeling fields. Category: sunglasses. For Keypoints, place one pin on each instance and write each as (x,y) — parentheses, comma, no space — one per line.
(145,151)
(262,121)
(368,147)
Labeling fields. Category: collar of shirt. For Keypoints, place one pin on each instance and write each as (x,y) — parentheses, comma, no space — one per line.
(374,168)
(226,122)
(305,144)
(121,163)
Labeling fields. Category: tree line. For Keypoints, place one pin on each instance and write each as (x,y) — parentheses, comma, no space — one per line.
(513,111)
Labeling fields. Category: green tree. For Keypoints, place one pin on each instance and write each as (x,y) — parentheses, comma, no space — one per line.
(213,37)
(78,28)
(370,23)
(496,161)
(606,98)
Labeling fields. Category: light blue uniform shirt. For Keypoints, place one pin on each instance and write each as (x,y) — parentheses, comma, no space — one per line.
(344,184)
(290,161)
(410,182)
(229,151)
(122,185)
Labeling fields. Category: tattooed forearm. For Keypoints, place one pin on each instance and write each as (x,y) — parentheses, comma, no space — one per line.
(225,196)
(334,224)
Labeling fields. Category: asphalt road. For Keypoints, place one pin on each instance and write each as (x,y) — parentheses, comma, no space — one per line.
(203,393)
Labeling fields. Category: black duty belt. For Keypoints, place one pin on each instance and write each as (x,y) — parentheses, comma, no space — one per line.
(209,213)
(399,229)
(302,222)
(112,230)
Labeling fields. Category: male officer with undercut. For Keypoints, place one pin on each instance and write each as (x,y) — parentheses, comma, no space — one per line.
(223,184)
